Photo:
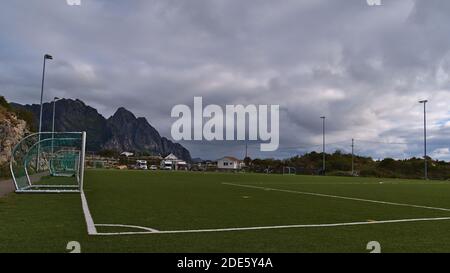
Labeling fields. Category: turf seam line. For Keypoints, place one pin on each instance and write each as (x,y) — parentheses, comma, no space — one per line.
(338,197)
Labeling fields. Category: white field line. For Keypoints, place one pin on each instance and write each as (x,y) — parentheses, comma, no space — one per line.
(87,215)
(338,197)
(269,227)
(93,231)
(349,183)
(127,226)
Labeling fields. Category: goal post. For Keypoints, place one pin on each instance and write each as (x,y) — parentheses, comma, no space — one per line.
(289,170)
(49,162)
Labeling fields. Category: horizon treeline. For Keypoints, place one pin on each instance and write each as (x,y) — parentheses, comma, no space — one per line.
(340,164)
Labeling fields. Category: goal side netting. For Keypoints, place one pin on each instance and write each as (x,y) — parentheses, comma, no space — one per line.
(49,162)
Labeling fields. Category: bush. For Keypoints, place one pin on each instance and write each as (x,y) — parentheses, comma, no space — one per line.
(22,114)
(4,103)
(339,173)
(109,153)
(4,171)
(28,117)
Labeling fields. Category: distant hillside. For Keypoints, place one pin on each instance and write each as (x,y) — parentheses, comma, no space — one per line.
(121,132)
(340,164)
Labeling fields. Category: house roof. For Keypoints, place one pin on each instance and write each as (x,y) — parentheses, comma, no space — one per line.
(230,158)
(171,157)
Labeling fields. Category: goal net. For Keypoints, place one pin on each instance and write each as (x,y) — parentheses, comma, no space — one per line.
(64,163)
(289,170)
(49,162)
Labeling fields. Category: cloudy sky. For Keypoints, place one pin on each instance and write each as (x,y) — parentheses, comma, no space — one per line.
(363,67)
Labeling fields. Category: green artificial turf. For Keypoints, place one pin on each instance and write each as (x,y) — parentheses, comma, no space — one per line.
(169,201)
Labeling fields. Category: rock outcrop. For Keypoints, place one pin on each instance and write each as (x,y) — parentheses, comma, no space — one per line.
(12,130)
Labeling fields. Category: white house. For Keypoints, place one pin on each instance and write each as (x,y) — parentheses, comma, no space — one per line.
(230,163)
(171,162)
(127,154)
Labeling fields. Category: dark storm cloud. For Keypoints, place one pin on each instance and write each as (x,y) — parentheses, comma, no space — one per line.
(363,67)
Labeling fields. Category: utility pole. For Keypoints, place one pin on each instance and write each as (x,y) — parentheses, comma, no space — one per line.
(425,137)
(323,144)
(353,157)
(246,149)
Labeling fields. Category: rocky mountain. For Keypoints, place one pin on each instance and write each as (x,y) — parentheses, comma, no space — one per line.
(123,131)
(72,115)
(12,130)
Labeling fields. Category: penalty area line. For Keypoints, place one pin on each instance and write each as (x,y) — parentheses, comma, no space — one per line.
(265,227)
(337,197)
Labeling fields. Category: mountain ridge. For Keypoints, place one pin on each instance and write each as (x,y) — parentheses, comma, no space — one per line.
(123,131)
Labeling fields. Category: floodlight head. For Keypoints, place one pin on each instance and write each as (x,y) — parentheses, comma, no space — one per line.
(322,117)
(48,57)
(423,101)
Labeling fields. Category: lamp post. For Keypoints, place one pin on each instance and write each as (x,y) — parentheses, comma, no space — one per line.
(46,57)
(55,99)
(323,144)
(353,157)
(425,137)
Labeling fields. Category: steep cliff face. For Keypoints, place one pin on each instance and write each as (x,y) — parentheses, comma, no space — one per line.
(175,148)
(121,132)
(12,130)
(129,133)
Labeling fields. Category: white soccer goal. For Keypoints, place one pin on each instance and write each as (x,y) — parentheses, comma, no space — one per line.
(289,170)
(49,163)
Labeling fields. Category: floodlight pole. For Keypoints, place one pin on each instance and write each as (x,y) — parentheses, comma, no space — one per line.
(46,57)
(425,137)
(353,157)
(55,99)
(323,144)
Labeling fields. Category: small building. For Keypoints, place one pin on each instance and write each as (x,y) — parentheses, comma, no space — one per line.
(171,162)
(229,163)
(127,154)
(206,165)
